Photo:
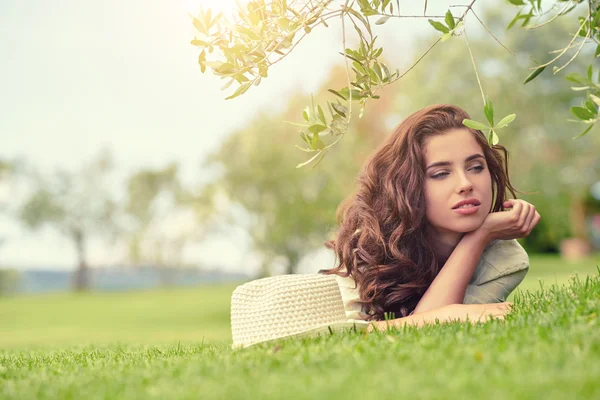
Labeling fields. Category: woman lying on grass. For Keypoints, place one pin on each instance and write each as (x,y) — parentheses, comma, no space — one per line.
(426,236)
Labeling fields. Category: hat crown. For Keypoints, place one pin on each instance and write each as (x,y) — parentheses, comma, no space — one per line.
(281,306)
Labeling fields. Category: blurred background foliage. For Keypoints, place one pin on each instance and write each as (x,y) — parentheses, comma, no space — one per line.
(286,212)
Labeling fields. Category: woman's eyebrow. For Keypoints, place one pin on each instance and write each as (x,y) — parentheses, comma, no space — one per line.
(447,163)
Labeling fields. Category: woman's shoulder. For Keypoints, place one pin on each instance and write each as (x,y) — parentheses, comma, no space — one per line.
(500,258)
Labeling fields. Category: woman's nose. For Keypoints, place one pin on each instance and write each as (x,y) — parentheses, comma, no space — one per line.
(464,184)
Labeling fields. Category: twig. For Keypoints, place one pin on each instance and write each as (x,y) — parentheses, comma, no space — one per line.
(551,19)
(474,67)
(568,46)
(410,16)
(420,58)
(490,32)
(469,7)
(587,36)
(559,50)
(346,60)
(425,8)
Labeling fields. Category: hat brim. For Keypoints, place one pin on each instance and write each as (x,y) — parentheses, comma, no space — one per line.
(359,325)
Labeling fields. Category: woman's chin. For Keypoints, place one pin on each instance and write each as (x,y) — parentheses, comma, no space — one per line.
(468,226)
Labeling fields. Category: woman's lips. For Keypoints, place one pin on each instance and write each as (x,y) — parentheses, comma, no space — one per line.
(468,210)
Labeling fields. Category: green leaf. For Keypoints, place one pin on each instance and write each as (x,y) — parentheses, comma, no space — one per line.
(377,70)
(202,61)
(577,78)
(446,36)
(493,138)
(306,150)
(582,113)
(579,88)
(340,109)
(534,74)
(382,20)
(516,2)
(439,26)
(226,86)
(241,90)
(372,75)
(505,121)
(305,137)
(513,21)
(385,4)
(475,125)
(316,128)
(584,132)
(316,143)
(198,42)
(199,25)
(450,20)
(247,32)
(350,56)
(283,23)
(305,114)
(589,72)
(591,106)
(595,99)
(488,110)
(337,94)
(321,115)
(309,161)
(296,124)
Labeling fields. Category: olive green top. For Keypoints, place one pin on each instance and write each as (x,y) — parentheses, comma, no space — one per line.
(501,268)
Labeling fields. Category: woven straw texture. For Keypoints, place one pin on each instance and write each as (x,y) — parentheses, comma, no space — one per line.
(282,306)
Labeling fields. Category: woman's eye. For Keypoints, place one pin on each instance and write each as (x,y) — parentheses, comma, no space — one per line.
(478,168)
(440,175)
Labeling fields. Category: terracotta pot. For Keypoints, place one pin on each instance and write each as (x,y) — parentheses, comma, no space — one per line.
(574,249)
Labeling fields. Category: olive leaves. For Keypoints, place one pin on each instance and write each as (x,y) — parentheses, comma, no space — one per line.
(589,111)
(450,29)
(266,31)
(488,110)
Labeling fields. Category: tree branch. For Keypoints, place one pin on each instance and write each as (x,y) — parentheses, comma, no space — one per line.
(474,67)
(490,32)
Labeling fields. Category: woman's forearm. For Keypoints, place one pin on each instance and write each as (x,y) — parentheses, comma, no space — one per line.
(450,284)
(452,312)
(426,317)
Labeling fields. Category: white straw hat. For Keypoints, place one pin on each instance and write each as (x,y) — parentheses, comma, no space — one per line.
(288,306)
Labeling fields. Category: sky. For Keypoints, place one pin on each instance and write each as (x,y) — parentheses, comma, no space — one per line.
(78,76)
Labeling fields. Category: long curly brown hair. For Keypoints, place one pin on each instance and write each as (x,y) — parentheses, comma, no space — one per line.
(382,241)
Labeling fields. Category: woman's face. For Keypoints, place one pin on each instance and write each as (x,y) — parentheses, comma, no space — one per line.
(456,170)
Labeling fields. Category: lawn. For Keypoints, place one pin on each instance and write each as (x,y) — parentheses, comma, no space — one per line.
(175,344)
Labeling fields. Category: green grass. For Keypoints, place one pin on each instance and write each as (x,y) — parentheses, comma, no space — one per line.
(548,269)
(188,315)
(175,344)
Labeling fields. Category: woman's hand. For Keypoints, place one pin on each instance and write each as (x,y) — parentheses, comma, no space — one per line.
(477,312)
(472,313)
(513,224)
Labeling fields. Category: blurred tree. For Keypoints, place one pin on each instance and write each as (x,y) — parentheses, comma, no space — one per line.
(9,281)
(161,218)
(7,168)
(286,212)
(77,204)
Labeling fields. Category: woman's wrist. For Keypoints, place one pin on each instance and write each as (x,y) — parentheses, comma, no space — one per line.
(479,237)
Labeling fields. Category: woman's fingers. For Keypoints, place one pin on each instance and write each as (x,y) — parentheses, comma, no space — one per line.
(529,222)
(523,216)
(509,203)
(534,221)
